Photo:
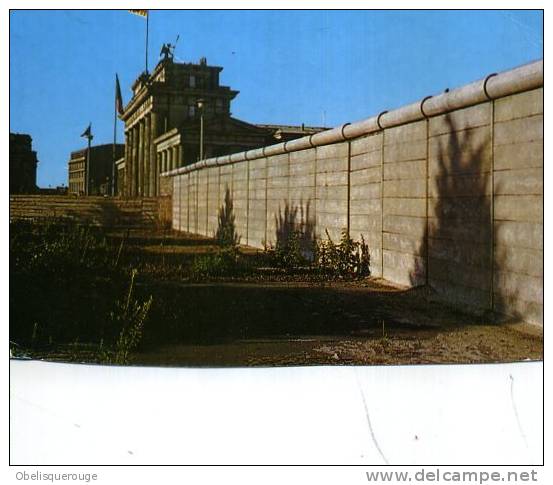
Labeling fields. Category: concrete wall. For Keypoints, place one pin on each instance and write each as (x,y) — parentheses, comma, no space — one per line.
(447,192)
(154,212)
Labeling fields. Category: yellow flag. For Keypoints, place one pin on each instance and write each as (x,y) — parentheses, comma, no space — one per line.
(142,13)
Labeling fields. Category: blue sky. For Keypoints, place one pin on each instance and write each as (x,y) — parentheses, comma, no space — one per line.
(291,67)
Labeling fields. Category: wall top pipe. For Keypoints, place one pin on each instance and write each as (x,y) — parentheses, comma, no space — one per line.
(519,79)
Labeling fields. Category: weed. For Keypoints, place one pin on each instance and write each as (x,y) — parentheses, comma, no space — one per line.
(221,263)
(347,259)
(226,235)
(128,316)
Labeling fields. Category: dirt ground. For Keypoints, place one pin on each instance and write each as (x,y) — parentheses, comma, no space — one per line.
(340,323)
(279,319)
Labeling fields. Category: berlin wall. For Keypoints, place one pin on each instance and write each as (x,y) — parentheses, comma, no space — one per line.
(447,192)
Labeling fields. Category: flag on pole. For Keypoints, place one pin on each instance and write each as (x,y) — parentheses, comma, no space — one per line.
(141,13)
(118,97)
(144,13)
(88,132)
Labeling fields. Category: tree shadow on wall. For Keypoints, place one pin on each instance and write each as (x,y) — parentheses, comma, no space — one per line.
(295,229)
(457,247)
(226,234)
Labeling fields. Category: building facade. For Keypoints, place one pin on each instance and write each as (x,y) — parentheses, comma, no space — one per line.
(180,113)
(23,164)
(100,169)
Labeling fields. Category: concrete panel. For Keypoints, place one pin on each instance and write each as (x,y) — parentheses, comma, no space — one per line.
(332,165)
(303,168)
(404,207)
(301,192)
(258,164)
(182,195)
(405,170)
(303,156)
(368,191)
(519,260)
(462,119)
(193,203)
(303,181)
(364,192)
(461,230)
(405,188)
(460,274)
(399,152)
(277,193)
(366,144)
(258,173)
(519,155)
(332,206)
(403,269)
(175,222)
(338,151)
(339,192)
(405,133)
(460,186)
(519,105)
(402,243)
(414,226)
(461,208)
(460,153)
(331,220)
(528,311)
(365,176)
(523,287)
(366,160)
(527,235)
(277,160)
(277,182)
(257,190)
(368,224)
(240,171)
(464,253)
(527,208)
(375,263)
(212,200)
(519,131)
(364,206)
(466,297)
(332,179)
(519,182)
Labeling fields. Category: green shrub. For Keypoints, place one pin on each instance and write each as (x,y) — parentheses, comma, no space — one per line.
(221,263)
(57,248)
(347,259)
(288,253)
(294,236)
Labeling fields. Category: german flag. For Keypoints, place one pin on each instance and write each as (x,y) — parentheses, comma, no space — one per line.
(118,97)
(141,13)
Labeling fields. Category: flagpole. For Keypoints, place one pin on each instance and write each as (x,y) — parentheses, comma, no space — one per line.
(147,29)
(87,187)
(114,140)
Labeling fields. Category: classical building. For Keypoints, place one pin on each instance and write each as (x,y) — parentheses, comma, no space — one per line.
(178,111)
(100,171)
(23,163)
(120,186)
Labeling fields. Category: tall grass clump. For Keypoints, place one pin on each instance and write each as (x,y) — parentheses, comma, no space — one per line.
(226,235)
(128,317)
(223,261)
